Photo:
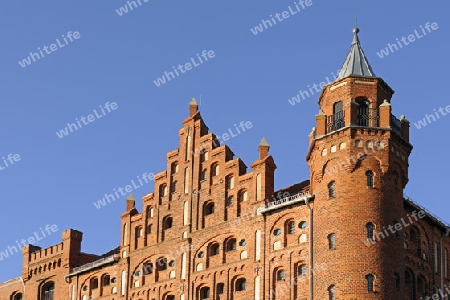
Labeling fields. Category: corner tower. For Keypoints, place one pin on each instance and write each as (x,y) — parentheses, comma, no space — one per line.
(358,161)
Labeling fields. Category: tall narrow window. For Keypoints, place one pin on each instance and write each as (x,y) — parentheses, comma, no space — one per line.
(203,175)
(397,281)
(338,116)
(173,187)
(370,279)
(291,227)
(370,227)
(369,175)
(332,189)
(215,169)
(395,178)
(220,288)
(332,292)
(302,270)
(332,241)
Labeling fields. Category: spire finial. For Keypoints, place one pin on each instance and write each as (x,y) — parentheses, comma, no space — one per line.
(355,27)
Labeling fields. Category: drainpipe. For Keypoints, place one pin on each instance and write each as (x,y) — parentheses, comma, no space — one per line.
(24,288)
(442,263)
(311,248)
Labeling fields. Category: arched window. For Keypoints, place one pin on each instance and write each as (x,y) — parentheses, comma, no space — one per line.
(243,195)
(229,182)
(302,270)
(204,292)
(370,279)
(370,227)
(173,187)
(94,284)
(215,169)
(281,275)
(421,285)
(48,291)
(332,292)
(369,175)
(162,190)
(161,263)
(231,244)
(106,280)
(332,189)
(395,178)
(147,268)
(18,296)
(168,222)
(214,249)
(220,288)
(174,168)
(203,175)
(209,208)
(408,279)
(338,116)
(290,227)
(230,201)
(332,241)
(203,155)
(241,284)
(397,281)
(363,112)
(413,236)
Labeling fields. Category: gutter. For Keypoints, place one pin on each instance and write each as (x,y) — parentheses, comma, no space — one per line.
(311,249)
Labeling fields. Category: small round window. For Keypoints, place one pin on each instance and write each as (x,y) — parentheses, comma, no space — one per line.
(302,224)
(171,263)
(277,232)
(201,254)
(242,243)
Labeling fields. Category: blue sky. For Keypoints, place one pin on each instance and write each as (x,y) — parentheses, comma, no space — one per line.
(251,77)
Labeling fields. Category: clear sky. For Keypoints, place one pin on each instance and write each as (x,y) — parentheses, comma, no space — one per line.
(117,58)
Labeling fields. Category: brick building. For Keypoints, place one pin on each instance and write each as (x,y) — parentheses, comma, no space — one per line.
(214,230)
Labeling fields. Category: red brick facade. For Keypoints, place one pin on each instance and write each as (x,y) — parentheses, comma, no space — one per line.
(213,230)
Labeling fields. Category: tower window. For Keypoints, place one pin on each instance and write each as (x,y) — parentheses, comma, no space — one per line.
(332,241)
(332,189)
(168,223)
(369,175)
(302,225)
(370,280)
(281,275)
(214,250)
(370,227)
(241,284)
(205,291)
(397,281)
(231,245)
(203,175)
(302,270)
(173,187)
(215,169)
(220,288)
(291,227)
(395,178)
(230,201)
(209,208)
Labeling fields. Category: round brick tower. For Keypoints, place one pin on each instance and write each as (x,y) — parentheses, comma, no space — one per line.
(358,163)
